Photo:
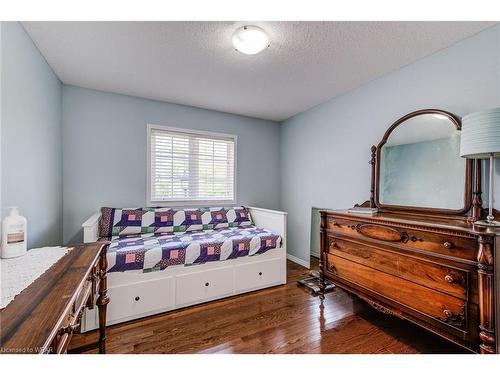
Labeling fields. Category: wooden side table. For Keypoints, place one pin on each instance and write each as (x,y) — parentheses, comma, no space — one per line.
(44,316)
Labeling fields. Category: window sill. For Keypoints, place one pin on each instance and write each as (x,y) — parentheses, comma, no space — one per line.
(191,203)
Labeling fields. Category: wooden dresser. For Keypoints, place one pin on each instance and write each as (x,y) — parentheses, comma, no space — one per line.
(436,273)
(44,316)
(429,260)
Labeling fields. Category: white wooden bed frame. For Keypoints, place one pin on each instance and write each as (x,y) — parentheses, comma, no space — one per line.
(136,295)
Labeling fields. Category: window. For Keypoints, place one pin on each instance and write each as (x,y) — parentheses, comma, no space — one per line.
(190,166)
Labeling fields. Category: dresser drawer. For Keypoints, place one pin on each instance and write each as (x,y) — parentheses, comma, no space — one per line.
(140,298)
(258,274)
(439,277)
(62,339)
(443,308)
(202,286)
(449,245)
(61,344)
(86,293)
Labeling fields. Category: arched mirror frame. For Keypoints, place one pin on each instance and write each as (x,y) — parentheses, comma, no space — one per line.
(376,155)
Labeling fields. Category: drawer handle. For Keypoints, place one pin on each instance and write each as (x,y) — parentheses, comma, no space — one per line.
(448,245)
(137,298)
(260,273)
(207,284)
(449,279)
(69,329)
(331,268)
(333,243)
(447,313)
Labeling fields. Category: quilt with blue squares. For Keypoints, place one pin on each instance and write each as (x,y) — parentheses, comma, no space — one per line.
(149,252)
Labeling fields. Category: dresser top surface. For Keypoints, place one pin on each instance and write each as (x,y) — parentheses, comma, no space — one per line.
(454,223)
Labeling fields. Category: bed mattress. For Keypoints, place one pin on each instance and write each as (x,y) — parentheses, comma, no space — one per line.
(151,252)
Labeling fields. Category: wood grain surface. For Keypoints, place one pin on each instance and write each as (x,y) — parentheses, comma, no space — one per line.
(283,319)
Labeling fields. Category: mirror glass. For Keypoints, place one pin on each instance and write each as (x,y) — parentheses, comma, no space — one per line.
(420,164)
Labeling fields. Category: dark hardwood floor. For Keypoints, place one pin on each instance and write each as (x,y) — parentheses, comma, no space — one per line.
(284,319)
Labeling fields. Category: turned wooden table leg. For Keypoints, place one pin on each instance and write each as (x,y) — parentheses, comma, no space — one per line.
(321,288)
(103,300)
(372,162)
(485,259)
(322,285)
(477,202)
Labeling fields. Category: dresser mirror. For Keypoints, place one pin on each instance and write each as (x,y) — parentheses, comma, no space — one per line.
(418,165)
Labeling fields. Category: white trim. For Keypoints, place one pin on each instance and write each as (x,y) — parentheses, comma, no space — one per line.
(267,210)
(191,202)
(91,221)
(91,228)
(298,261)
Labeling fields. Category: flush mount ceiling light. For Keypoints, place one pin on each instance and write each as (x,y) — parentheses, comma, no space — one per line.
(250,40)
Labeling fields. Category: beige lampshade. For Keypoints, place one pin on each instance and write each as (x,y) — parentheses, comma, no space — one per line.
(481,134)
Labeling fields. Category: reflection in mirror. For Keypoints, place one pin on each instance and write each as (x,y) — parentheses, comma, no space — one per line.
(420,164)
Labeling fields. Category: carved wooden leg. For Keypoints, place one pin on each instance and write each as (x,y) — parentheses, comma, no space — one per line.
(485,259)
(322,285)
(477,202)
(103,300)
(321,288)
(372,188)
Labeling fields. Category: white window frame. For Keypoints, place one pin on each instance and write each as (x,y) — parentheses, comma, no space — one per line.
(190,202)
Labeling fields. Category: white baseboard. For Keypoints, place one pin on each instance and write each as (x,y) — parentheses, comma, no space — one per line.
(298,260)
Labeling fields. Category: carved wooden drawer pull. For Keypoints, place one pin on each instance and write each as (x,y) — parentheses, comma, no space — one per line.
(69,329)
(448,245)
(333,243)
(454,319)
(332,269)
(449,279)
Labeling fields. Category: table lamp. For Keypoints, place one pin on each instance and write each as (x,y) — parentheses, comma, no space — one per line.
(480,139)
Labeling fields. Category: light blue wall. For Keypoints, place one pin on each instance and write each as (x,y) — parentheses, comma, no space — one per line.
(325,150)
(104,148)
(31,137)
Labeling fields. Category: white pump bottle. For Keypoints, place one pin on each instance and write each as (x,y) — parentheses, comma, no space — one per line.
(14,242)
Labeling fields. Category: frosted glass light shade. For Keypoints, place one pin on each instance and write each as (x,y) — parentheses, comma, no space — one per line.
(481,134)
(250,40)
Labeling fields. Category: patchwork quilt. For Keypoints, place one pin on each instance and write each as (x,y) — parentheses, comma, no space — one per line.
(127,221)
(156,251)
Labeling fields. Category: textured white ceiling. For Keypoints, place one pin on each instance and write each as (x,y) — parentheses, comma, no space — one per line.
(193,63)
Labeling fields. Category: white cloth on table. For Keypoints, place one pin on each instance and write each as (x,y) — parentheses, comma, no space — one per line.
(16,274)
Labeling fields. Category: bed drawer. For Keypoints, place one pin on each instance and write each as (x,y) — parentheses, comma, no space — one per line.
(449,245)
(435,276)
(202,286)
(441,307)
(131,300)
(258,274)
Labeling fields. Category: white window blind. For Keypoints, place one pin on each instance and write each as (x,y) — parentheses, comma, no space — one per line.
(191,166)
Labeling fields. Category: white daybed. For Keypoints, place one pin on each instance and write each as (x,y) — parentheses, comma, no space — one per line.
(135,295)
